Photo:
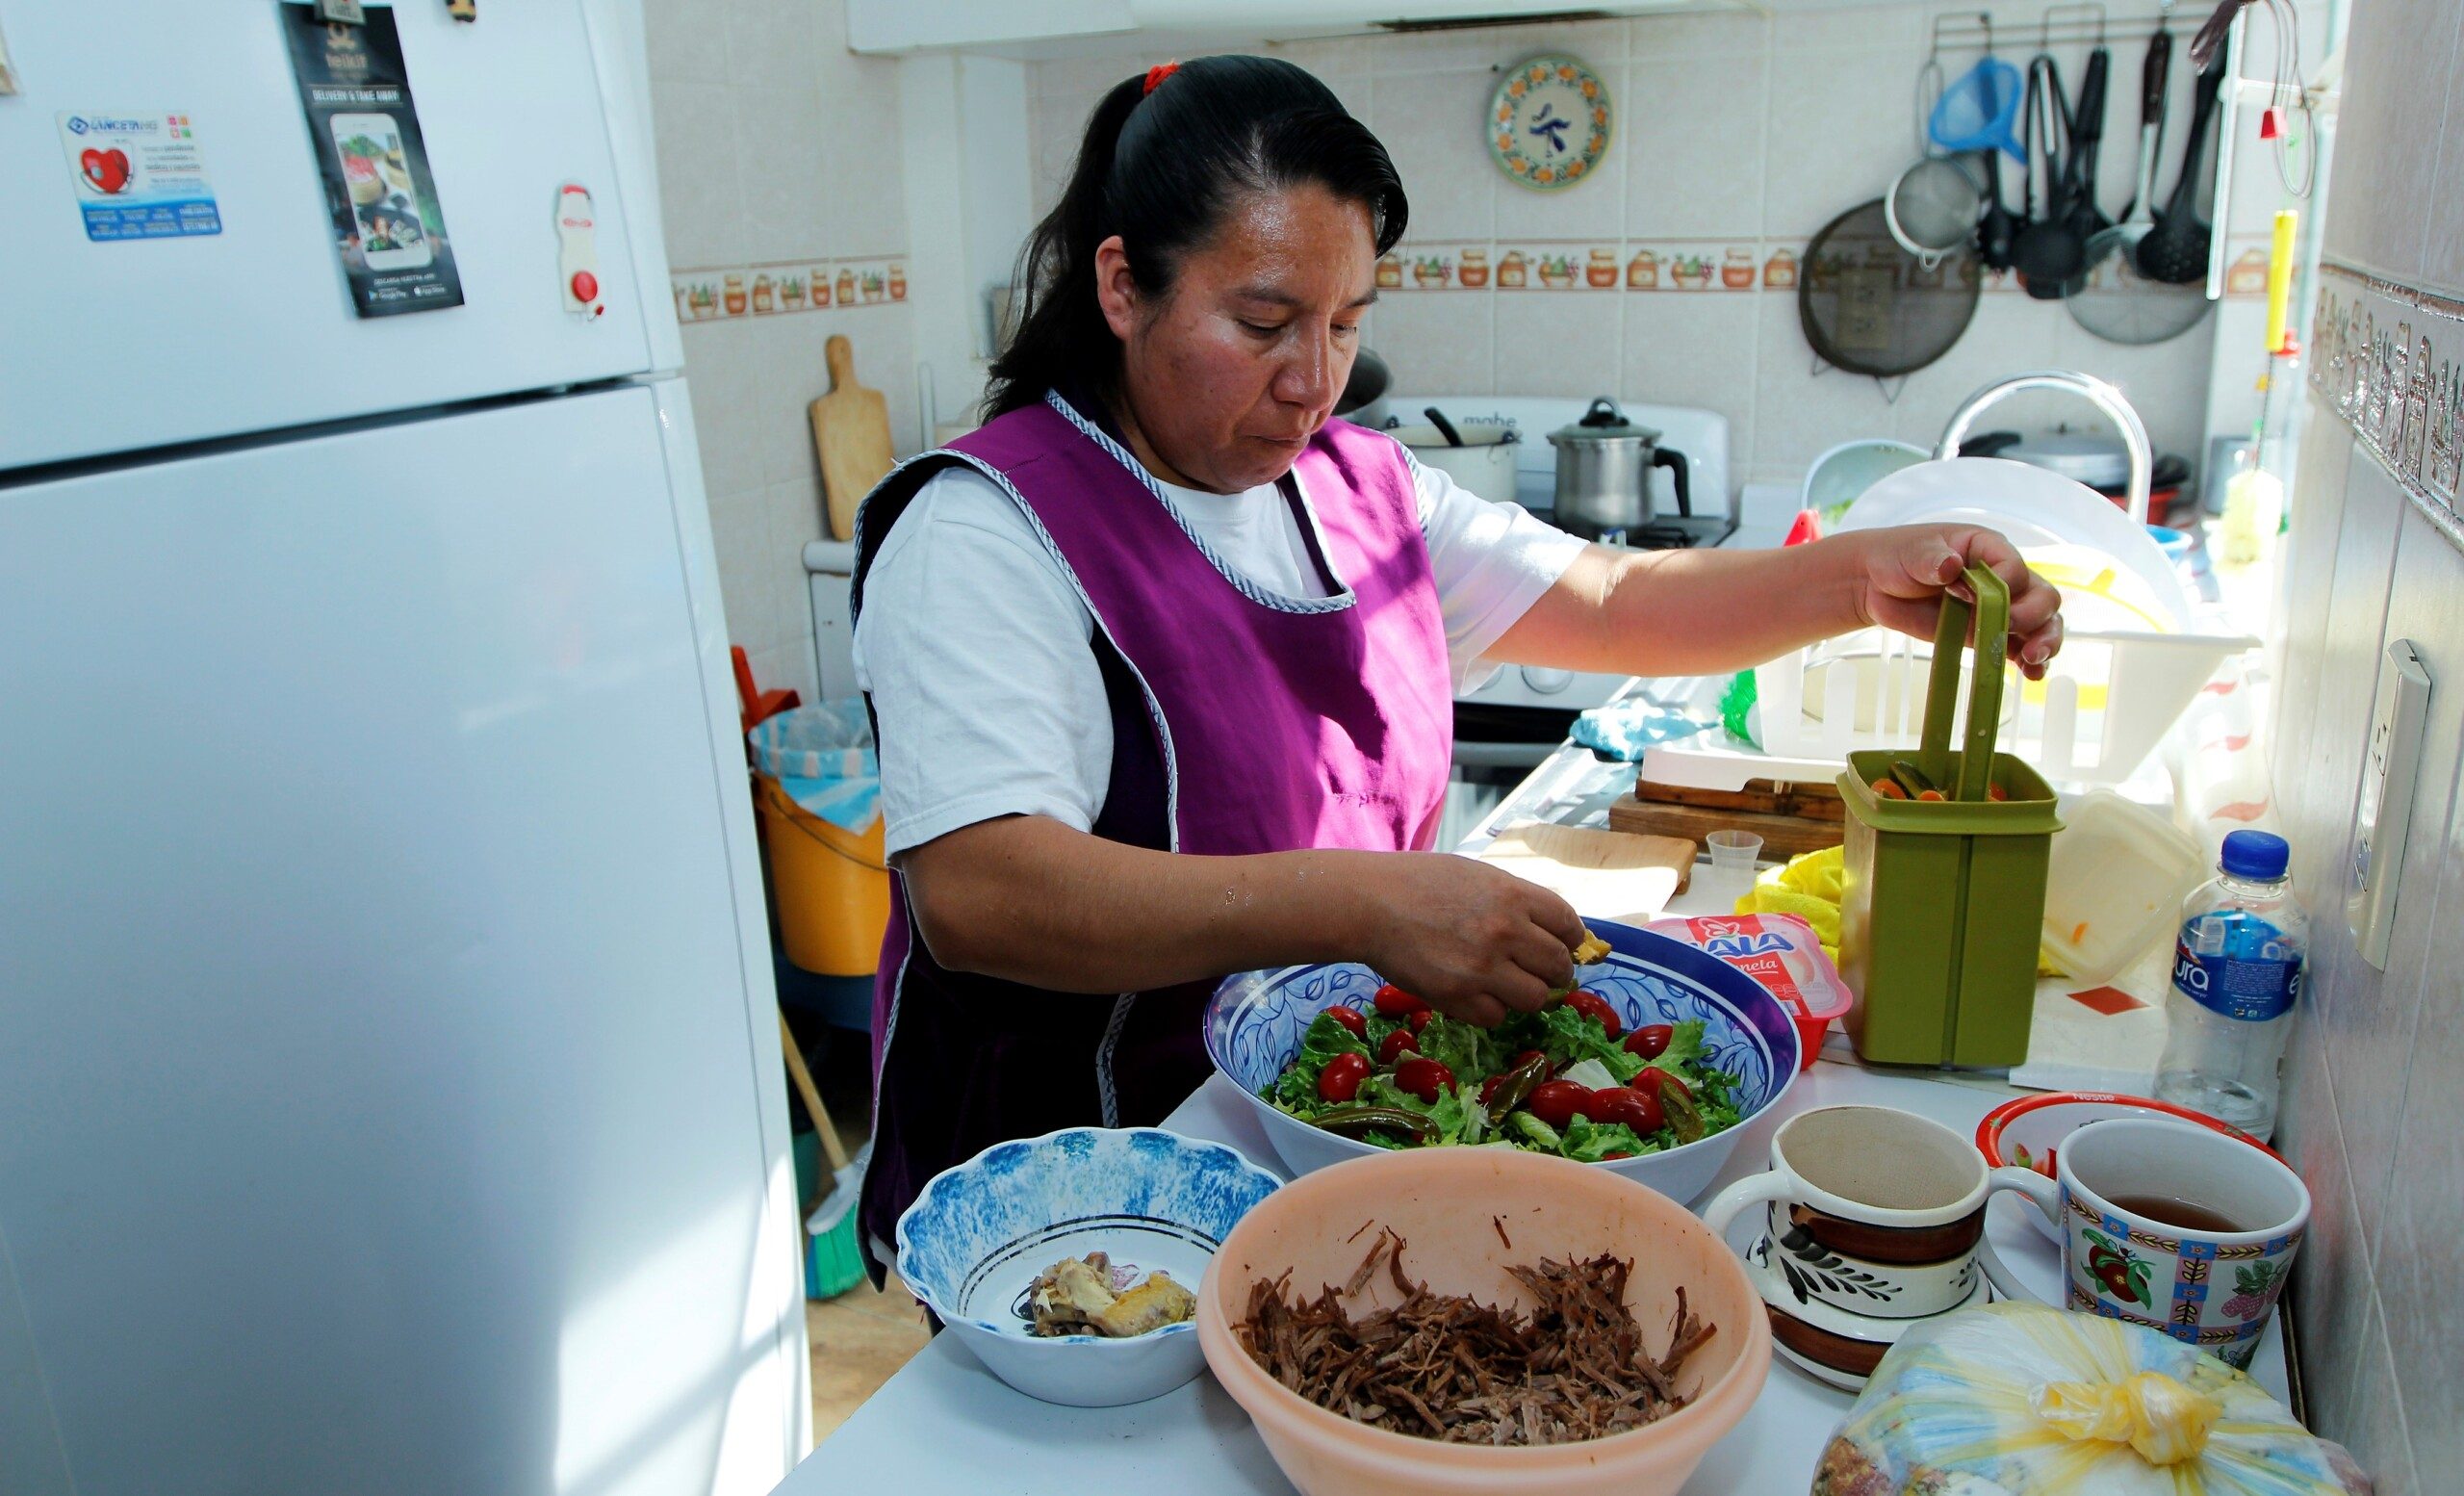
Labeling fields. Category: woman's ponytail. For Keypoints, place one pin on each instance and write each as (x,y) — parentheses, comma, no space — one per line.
(1166,154)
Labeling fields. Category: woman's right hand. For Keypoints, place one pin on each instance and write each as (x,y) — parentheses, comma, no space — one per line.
(1471,941)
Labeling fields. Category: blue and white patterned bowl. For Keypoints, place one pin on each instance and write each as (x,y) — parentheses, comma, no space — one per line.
(1254,1023)
(981,1233)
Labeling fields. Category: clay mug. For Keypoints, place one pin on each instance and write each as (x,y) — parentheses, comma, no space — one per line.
(1873,1221)
(2171,1225)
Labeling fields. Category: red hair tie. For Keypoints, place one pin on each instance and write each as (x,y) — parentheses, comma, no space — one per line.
(1158,73)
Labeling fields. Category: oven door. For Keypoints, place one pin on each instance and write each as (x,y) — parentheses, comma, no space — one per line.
(1496,746)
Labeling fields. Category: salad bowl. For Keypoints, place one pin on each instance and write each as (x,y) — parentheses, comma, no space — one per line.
(1255,1023)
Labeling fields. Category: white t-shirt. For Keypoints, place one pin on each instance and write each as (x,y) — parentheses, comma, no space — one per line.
(979,653)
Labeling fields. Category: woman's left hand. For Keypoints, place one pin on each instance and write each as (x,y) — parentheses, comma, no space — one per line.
(1909,567)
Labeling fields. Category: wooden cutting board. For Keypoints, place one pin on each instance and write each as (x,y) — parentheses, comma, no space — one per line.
(1784,837)
(851,436)
(1604,874)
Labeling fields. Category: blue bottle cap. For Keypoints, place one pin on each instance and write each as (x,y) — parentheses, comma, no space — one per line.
(2256,854)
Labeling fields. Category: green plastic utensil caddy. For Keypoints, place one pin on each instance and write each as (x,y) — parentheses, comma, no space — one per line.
(1942,900)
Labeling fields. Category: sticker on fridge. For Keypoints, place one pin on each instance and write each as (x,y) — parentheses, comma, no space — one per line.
(389,228)
(139,176)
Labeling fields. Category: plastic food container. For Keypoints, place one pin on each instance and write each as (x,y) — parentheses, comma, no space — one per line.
(1944,894)
(2114,881)
(1785,954)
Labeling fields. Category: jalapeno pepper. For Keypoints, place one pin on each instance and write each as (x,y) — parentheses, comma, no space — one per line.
(1352,1121)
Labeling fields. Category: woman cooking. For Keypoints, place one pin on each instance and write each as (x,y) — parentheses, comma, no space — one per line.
(1163,660)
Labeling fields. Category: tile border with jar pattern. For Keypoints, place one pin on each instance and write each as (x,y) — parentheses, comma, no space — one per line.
(780,288)
(1689,266)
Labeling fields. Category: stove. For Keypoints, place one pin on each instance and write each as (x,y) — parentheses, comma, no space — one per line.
(1522,711)
(1668,532)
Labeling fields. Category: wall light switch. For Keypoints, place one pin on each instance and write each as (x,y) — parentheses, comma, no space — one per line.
(2386,805)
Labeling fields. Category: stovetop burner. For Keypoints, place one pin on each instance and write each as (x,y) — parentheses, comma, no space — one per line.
(1669,532)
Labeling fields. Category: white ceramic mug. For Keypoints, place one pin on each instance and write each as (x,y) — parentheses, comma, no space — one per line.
(1874,1218)
(2213,1289)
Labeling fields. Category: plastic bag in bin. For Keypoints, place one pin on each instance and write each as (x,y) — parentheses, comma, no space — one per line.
(822,755)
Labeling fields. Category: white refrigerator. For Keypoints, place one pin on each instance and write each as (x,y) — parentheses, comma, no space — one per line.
(389,1088)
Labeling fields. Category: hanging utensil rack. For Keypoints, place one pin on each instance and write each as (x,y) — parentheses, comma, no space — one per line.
(2079,25)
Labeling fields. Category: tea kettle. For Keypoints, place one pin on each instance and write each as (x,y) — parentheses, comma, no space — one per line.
(1604,465)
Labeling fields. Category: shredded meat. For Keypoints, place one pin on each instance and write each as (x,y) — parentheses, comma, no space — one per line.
(1447,1367)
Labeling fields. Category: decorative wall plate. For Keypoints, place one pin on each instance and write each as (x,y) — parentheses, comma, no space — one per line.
(1549,122)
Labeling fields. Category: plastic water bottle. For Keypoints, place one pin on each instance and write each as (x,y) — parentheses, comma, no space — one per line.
(2236,973)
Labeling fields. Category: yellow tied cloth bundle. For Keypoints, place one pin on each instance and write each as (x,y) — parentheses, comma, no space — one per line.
(2020,1400)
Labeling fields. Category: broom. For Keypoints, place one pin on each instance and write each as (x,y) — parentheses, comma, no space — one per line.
(835,1262)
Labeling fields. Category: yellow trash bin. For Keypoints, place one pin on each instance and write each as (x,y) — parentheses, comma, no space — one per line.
(831,885)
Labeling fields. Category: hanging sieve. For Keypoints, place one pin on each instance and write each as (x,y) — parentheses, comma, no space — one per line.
(1933,207)
(1869,306)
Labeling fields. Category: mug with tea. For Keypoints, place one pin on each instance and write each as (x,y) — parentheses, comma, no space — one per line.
(1873,1221)
(2172,1226)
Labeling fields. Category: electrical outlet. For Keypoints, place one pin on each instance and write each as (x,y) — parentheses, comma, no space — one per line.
(2386,807)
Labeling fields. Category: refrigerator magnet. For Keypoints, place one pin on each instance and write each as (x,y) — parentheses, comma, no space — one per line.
(138,175)
(364,129)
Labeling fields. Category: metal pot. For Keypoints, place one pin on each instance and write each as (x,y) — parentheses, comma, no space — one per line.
(1479,458)
(1604,465)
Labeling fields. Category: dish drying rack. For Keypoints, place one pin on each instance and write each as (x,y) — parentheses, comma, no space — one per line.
(2105,702)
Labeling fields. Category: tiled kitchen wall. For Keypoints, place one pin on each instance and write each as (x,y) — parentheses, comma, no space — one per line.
(2376,554)
(785,223)
(1737,137)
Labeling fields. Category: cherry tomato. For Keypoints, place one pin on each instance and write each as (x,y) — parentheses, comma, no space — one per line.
(1489,1089)
(1528,1055)
(1614,1155)
(1668,1081)
(1418,1020)
(1395,1003)
(1423,1077)
(1592,1005)
(1636,1109)
(1556,1102)
(1350,1017)
(1395,1043)
(1340,1080)
(1650,1042)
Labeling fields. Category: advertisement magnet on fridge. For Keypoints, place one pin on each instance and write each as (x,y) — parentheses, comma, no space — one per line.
(389,229)
(139,176)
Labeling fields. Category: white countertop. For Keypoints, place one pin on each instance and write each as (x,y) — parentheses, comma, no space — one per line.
(945,1425)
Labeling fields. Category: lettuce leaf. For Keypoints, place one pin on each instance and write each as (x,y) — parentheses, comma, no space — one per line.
(1532,1131)
(1589,1141)
(1451,1110)
(1716,1096)
(1295,1090)
(1471,1053)
(1566,1036)
(1685,1049)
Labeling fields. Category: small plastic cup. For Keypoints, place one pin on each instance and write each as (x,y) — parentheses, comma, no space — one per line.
(1736,851)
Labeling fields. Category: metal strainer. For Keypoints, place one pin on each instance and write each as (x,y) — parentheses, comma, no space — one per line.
(1933,208)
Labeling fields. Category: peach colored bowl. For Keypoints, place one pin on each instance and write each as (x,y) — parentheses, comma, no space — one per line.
(1442,1202)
